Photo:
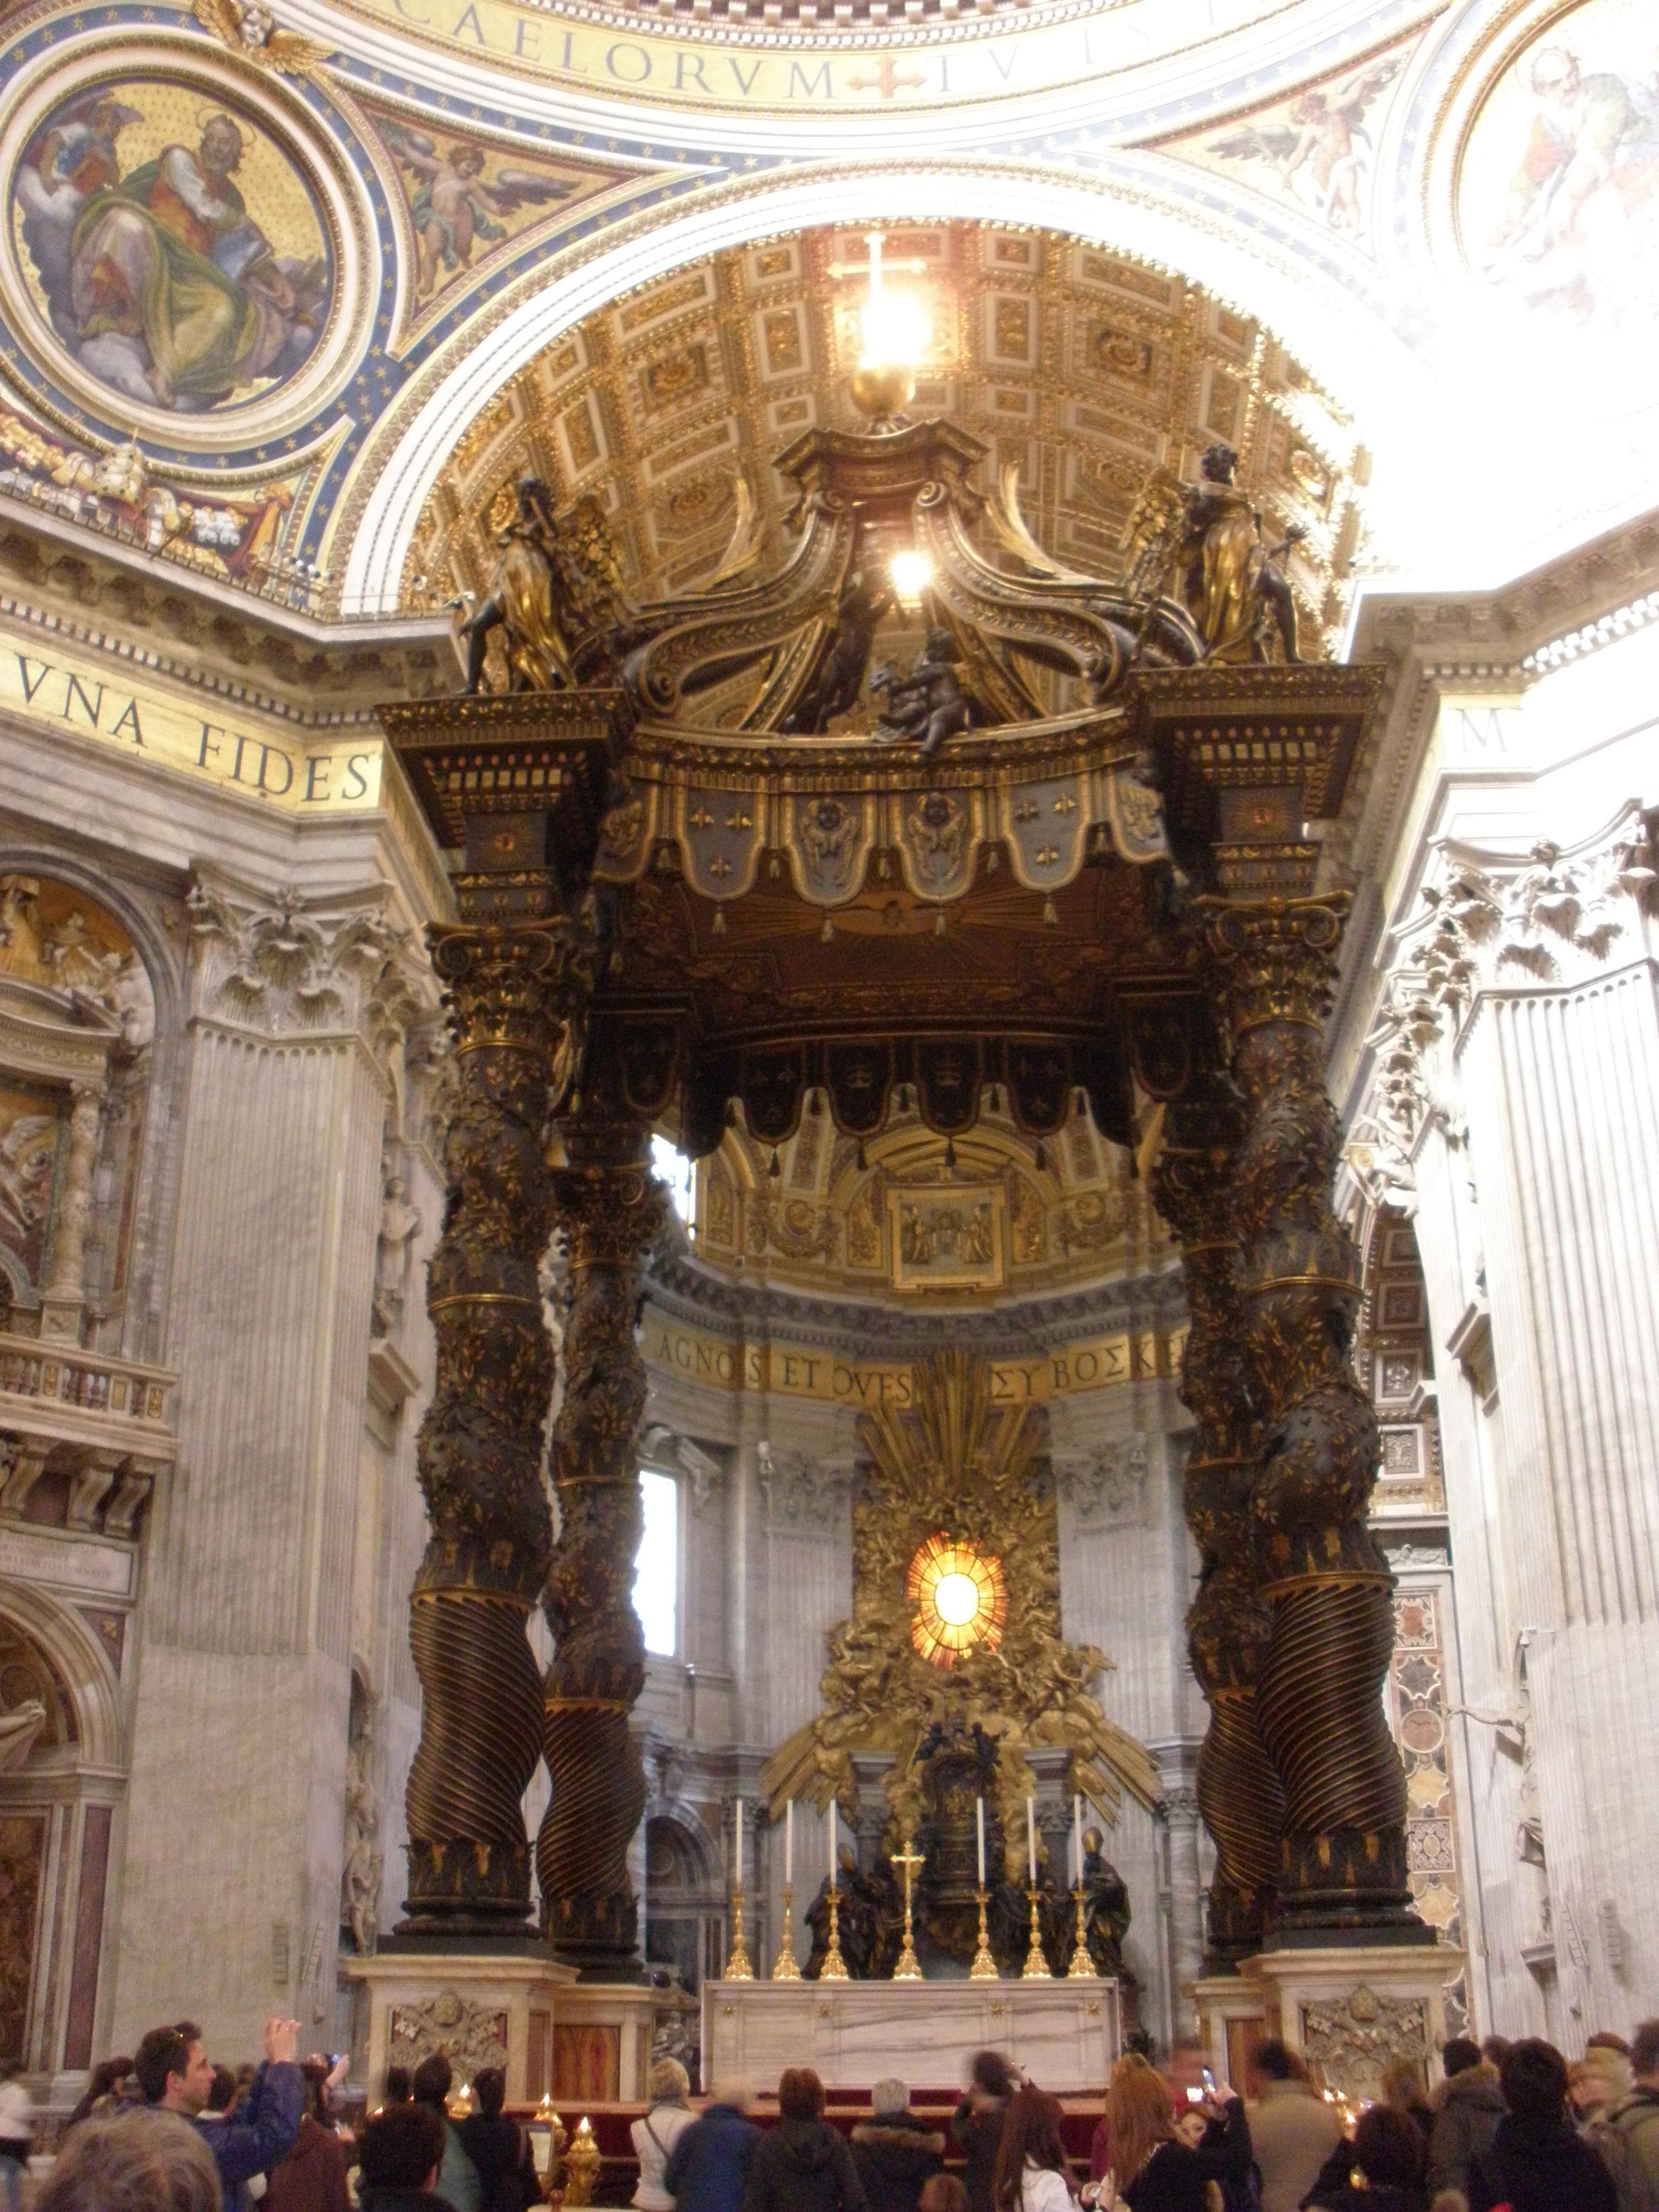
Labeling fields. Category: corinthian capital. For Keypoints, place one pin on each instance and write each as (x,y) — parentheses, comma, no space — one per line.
(279,963)
(1275,961)
(1558,916)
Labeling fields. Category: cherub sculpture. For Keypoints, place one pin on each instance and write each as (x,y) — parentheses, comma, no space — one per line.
(929,702)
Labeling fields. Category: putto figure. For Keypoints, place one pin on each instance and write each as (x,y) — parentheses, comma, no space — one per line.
(929,702)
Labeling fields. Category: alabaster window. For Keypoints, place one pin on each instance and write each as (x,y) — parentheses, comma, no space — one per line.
(657,1562)
(678,1173)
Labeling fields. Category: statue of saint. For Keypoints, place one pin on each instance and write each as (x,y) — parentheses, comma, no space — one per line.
(556,592)
(400,1224)
(1230,580)
(1105,1906)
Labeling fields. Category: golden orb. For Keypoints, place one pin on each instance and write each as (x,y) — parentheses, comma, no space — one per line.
(883,388)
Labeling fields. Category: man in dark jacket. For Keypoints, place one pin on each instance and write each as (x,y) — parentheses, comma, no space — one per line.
(176,2074)
(707,2169)
(398,2154)
(1535,2162)
(894,2153)
(1468,2107)
(802,2165)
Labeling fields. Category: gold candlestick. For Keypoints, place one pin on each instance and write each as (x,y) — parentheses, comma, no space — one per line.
(1082,1968)
(909,1968)
(786,1970)
(834,1968)
(984,1968)
(1035,1968)
(738,1968)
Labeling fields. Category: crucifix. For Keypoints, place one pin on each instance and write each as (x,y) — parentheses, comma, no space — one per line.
(909,1968)
(875,268)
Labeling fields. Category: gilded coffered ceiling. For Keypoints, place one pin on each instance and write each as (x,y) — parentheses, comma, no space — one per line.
(906,1217)
(1088,368)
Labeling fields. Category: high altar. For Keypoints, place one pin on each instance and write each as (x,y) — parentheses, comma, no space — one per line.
(1071,867)
(1066,2035)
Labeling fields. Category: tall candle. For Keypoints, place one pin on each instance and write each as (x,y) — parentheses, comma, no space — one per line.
(1077,1836)
(979,1811)
(737,1852)
(1030,1836)
(789,1844)
(829,1829)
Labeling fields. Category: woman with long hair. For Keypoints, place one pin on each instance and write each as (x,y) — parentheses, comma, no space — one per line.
(1032,2174)
(1154,2168)
(977,2124)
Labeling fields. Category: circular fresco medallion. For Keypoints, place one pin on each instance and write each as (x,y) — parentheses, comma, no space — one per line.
(1557,190)
(959,1599)
(175,256)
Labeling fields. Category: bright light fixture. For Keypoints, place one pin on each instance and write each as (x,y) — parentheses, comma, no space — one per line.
(912,572)
(897,329)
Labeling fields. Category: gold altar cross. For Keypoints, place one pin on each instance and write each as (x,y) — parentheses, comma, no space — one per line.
(909,1968)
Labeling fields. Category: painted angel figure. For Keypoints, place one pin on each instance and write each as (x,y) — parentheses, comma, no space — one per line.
(454,205)
(1322,149)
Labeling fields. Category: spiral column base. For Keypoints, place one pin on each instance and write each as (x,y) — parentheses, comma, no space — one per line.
(589,1912)
(468,1858)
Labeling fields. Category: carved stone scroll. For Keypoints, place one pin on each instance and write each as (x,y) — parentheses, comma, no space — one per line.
(516,1001)
(1239,1792)
(1342,1862)
(610,1209)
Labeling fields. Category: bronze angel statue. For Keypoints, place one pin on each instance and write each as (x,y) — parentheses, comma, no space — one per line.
(1204,543)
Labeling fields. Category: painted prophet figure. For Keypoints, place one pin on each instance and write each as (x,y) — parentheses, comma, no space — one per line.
(159,282)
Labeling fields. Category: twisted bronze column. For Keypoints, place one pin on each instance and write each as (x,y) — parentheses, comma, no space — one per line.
(1239,1793)
(515,999)
(611,1208)
(1318,1702)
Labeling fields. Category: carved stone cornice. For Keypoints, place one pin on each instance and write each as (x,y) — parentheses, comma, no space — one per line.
(683,1288)
(215,638)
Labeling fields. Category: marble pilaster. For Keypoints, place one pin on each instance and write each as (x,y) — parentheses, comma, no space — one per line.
(1543,967)
(295,1004)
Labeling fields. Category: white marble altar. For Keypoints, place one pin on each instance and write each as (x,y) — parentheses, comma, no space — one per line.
(1065,2034)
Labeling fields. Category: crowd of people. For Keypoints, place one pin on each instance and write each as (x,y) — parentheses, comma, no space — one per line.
(1511,2127)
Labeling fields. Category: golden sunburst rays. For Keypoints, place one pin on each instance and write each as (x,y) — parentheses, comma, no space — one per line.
(959,1597)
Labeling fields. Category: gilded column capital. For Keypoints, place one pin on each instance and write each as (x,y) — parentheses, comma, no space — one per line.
(1275,961)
